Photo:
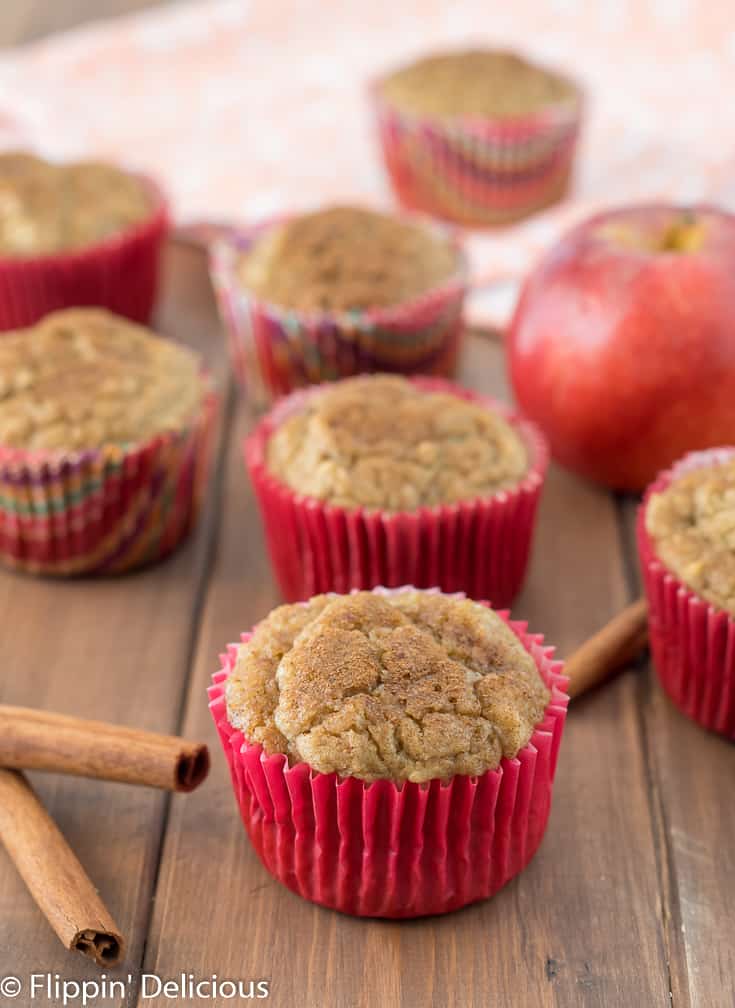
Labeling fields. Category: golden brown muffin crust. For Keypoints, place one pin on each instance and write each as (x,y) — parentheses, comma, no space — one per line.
(692,524)
(343,258)
(382,442)
(409,685)
(83,377)
(47,207)
(476,82)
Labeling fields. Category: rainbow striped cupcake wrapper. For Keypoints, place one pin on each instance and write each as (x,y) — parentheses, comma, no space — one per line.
(275,350)
(478,172)
(104,511)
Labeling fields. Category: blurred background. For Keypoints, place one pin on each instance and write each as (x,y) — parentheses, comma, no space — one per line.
(245,108)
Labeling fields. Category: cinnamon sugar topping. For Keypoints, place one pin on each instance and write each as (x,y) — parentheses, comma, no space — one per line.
(382,442)
(692,523)
(83,377)
(344,258)
(411,685)
(47,207)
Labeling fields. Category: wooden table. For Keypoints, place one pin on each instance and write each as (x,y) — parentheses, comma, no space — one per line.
(629,900)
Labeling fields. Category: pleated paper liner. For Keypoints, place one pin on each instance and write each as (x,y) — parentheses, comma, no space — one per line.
(480,547)
(692,641)
(478,172)
(104,511)
(119,273)
(396,850)
(275,350)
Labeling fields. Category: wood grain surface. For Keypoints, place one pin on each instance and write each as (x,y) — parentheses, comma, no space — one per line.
(629,900)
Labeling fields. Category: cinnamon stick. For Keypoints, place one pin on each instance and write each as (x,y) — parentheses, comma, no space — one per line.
(619,643)
(39,740)
(54,876)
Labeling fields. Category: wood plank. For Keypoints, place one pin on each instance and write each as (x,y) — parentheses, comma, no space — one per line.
(691,775)
(582,926)
(113,649)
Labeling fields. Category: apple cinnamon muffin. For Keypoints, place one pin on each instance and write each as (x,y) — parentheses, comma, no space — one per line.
(383,480)
(692,525)
(686,544)
(480,137)
(104,433)
(392,752)
(384,442)
(48,207)
(406,686)
(345,258)
(478,83)
(83,378)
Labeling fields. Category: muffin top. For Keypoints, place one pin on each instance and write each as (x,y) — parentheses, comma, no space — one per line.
(484,83)
(346,258)
(382,442)
(410,685)
(82,378)
(47,207)
(692,524)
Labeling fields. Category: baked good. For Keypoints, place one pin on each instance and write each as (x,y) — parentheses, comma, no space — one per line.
(692,524)
(686,543)
(346,258)
(476,83)
(75,234)
(48,207)
(480,137)
(104,432)
(338,292)
(382,480)
(410,686)
(392,753)
(83,378)
(382,442)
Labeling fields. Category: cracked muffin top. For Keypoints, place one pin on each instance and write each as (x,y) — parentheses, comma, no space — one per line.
(83,377)
(692,523)
(346,258)
(410,685)
(475,82)
(380,441)
(50,207)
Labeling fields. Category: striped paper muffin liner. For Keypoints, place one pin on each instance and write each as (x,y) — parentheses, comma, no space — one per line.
(396,850)
(692,641)
(120,273)
(480,547)
(104,511)
(478,172)
(275,350)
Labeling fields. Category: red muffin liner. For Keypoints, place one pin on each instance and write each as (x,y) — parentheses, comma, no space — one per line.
(388,850)
(692,641)
(475,171)
(104,511)
(120,273)
(480,547)
(275,350)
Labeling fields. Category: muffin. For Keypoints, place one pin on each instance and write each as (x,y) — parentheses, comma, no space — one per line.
(103,444)
(387,480)
(392,753)
(686,535)
(337,292)
(78,233)
(480,137)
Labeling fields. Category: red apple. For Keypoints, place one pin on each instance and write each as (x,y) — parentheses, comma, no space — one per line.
(622,347)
